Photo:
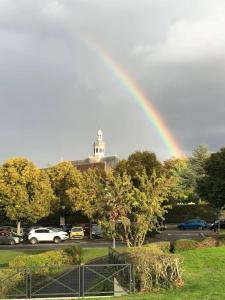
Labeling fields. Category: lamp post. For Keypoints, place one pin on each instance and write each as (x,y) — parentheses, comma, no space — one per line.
(62,215)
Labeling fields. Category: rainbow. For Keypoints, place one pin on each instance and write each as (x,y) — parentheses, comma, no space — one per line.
(139,97)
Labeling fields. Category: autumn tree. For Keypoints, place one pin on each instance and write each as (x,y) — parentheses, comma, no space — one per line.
(25,191)
(63,177)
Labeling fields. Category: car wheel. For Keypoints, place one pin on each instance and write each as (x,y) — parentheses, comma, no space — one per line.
(12,242)
(33,241)
(200,228)
(57,240)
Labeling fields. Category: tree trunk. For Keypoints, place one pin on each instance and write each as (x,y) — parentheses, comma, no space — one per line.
(18,227)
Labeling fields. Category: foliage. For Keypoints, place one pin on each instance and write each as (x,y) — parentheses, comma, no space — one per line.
(25,191)
(39,265)
(183,212)
(139,163)
(76,254)
(132,211)
(208,242)
(186,173)
(163,246)
(211,186)
(63,177)
(184,244)
(152,270)
(88,196)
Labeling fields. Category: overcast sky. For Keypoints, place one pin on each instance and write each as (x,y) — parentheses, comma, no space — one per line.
(55,93)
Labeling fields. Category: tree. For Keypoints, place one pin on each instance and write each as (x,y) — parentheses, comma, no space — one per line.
(211,186)
(63,177)
(137,163)
(131,211)
(177,169)
(88,196)
(186,172)
(25,191)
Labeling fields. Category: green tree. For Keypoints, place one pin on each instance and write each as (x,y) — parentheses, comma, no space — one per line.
(25,191)
(138,163)
(63,177)
(186,172)
(211,186)
(177,169)
(131,211)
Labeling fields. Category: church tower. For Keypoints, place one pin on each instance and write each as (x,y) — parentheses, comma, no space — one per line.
(99,146)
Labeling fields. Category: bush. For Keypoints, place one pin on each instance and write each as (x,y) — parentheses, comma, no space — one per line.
(207,242)
(220,240)
(183,244)
(163,246)
(152,270)
(75,253)
(51,262)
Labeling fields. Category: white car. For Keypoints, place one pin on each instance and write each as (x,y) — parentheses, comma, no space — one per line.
(47,235)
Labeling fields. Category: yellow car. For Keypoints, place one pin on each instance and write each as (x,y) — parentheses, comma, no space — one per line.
(77,233)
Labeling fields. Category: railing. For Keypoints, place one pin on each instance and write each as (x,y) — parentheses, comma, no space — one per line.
(65,281)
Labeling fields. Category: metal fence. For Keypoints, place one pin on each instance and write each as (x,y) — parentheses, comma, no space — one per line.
(66,281)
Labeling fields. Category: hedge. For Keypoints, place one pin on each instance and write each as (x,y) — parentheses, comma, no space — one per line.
(151,269)
(163,246)
(183,244)
(51,262)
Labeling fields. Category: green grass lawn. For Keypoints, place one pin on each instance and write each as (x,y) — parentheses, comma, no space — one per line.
(89,254)
(204,275)
(7,255)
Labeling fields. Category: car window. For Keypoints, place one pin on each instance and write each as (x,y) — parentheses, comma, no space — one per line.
(76,229)
(41,231)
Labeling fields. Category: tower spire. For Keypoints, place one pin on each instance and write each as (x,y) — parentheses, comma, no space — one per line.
(99,145)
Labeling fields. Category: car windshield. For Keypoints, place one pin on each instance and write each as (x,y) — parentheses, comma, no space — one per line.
(76,229)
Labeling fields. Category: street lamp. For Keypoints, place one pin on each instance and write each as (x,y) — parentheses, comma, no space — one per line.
(62,214)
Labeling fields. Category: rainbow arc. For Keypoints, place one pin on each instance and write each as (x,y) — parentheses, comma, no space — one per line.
(139,97)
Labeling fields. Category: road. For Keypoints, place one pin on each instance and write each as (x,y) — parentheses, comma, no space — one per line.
(170,234)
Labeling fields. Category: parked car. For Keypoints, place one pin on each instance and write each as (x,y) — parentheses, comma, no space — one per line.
(193,224)
(96,231)
(9,238)
(47,235)
(76,233)
(217,224)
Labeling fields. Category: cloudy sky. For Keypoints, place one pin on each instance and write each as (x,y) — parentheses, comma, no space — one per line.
(55,92)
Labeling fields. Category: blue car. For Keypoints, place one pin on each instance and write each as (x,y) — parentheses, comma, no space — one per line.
(193,224)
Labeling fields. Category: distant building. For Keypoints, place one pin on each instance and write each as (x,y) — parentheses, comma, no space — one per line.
(98,159)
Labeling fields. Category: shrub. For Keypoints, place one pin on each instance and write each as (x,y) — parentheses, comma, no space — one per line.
(152,270)
(183,244)
(207,242)
(75,253)
(51,262)
(163,246)
(220,240)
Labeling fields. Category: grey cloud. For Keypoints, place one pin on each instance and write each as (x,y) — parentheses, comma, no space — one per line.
(55,92)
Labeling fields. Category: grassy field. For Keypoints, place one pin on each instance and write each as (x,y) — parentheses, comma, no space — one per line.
(89,254)
(204,274)
(7,255)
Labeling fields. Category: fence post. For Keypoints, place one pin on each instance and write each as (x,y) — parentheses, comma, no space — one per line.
(81,292)
(28,283)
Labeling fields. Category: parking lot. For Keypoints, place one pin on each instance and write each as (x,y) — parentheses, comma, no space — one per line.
(170,234)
